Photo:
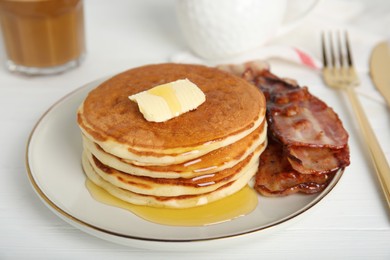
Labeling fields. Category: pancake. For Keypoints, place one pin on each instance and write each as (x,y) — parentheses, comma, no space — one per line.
(193,159)
(215,161)
(185,201)
(173,186)
(233,109)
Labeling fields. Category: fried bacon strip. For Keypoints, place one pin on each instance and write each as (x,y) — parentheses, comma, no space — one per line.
(276,177)
(309,143)
(292,107)
(309,160)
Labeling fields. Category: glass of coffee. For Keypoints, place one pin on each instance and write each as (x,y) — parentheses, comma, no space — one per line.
(42,36)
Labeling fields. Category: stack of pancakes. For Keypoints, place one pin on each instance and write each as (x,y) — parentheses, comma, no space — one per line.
(190,160)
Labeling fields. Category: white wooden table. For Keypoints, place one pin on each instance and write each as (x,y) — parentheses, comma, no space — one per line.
(351,223)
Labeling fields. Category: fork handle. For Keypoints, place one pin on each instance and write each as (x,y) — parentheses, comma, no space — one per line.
(381,166)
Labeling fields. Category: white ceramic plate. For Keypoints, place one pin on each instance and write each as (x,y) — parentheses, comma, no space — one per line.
(53,161)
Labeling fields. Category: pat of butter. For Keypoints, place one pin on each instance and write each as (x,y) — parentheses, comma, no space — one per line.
(169,100)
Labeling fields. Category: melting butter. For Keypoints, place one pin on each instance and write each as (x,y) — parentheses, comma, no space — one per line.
(239,204)
(168,93)
(169,100)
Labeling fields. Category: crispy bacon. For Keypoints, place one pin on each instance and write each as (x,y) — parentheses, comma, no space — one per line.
(309,160)
(308,143)
(292,107)
(276,177)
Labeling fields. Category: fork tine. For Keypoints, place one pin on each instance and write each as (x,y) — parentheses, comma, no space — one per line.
(349,56)
(323,46)
(338,70)
(331,49)
(340,50)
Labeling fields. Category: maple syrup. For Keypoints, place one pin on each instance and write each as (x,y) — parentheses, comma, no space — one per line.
(239,204)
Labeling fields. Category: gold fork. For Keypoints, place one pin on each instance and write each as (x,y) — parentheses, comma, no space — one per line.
(340,73)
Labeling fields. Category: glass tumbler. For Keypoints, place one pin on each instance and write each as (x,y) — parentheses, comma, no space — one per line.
(42,36)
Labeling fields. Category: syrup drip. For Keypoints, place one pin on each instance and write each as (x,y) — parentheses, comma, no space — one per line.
(231,207)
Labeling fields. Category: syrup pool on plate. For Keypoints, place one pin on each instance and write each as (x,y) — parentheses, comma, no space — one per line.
(239,204)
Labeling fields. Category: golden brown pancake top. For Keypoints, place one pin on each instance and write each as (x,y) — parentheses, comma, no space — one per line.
(232,105)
